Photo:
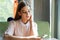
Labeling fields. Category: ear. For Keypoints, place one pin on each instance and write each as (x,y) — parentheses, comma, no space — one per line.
(19,13)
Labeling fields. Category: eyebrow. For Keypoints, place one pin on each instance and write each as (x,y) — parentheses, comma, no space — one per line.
(23,10)
(28,10)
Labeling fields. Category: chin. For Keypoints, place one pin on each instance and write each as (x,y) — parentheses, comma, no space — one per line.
(27,19)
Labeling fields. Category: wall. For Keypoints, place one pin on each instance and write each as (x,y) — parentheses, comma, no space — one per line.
(41,15)
(41,10)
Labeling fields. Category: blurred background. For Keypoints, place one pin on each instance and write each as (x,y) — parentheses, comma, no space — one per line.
(40,12)
(55,19)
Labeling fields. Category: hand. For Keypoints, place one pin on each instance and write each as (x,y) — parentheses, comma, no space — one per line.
(30,18)
(31,31)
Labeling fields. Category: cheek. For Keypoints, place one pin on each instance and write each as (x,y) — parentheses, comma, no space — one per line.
(23,15)
(26,16)
(29,16)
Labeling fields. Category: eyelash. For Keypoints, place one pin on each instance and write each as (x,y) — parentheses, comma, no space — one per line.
(26,12)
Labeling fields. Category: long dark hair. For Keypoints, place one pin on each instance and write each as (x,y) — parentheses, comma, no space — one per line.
(19,7)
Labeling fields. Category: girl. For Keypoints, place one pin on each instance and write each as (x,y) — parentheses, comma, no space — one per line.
(22,25)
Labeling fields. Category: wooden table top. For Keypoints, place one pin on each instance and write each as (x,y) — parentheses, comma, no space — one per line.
(21,38)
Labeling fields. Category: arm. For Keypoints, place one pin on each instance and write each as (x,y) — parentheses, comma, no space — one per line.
(10,29)
(33,28)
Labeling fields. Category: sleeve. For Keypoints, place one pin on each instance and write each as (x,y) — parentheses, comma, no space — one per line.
(35,29)
(10,29)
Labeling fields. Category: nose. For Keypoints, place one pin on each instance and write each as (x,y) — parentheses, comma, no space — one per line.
(27,13)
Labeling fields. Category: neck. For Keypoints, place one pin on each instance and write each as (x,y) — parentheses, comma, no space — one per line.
(24,21)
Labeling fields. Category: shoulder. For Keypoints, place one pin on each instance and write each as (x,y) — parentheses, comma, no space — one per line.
(12,23)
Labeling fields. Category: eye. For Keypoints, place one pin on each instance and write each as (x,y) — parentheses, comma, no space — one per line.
(28,10)
(24,12)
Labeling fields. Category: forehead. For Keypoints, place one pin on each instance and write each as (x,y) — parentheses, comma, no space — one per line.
(25,8)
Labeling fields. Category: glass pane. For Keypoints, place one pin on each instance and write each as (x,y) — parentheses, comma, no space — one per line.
(6,9)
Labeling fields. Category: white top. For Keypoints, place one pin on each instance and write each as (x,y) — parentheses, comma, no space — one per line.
(20,29)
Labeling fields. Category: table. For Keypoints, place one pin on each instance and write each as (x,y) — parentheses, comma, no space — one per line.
(1,38)
(21,38)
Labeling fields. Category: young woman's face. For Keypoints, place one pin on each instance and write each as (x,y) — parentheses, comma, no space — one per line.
(25,13)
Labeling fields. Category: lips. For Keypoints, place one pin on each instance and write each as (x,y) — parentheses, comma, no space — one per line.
(27,16)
